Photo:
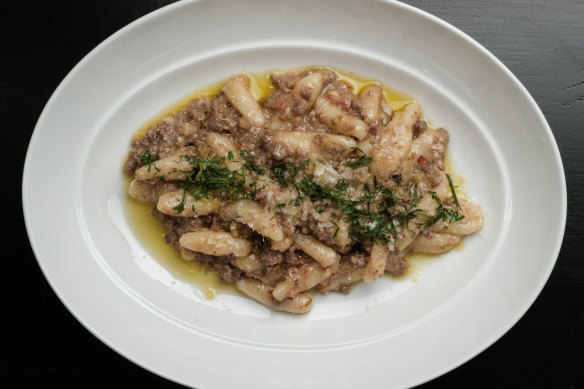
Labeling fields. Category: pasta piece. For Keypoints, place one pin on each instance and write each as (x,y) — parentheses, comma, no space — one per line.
(339,121)
(148,191)
(301,144)
(271,277)
(173,203)
(142,191)
(426,156)
(301,303)
(420,146)
(427,208)
(305,92)
(392,143)
(370,101)
(216,243)
(434,243)
(175,167)
(366,145)
(271,194)
(187,254)
(332,146)
(376,265)
(396,264)
(316,249)
(256,217)
(342,279)
(282,245)
(220,146)
(237,92)
(342,237)
(249,264)
(262,293)
(472,222)
(301,279)
(277,123)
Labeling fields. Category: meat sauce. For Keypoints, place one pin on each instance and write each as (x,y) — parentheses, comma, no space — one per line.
(294,182)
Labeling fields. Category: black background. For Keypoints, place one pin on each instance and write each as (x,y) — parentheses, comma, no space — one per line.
(541,42)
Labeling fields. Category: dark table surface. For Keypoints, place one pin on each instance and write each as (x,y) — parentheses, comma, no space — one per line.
(541,42)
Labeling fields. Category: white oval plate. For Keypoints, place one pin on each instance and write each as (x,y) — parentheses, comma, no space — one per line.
(391,333)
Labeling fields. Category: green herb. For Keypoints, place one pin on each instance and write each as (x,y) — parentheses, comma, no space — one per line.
(147,159)
(211,178)
(250,159)
(279,173)
(443,213)
(407,215)
(249,195)
(452,191)
(363,160)
(297,170)
(317,192)
(366,225)
(414,193)
(389,198)
(360,162)
(296,202)
(286,175)
(181,206)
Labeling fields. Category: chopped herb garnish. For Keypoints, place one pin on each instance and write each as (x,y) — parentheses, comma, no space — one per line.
(443,213)
(360,162)
(181,206)
(250,159)
(297,170)
(452,191)
(147,159)
(286,175)
(211,178)
(317,192)
(374,214)
(363,160)
(389,198)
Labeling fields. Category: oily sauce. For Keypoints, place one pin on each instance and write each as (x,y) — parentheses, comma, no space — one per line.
(151,234)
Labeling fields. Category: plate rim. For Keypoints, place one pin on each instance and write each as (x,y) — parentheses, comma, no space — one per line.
(170,8)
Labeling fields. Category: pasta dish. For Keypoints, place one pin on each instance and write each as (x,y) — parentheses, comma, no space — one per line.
(310,189)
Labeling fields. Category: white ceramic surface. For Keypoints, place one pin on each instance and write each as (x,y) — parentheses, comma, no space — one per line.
(390,333)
